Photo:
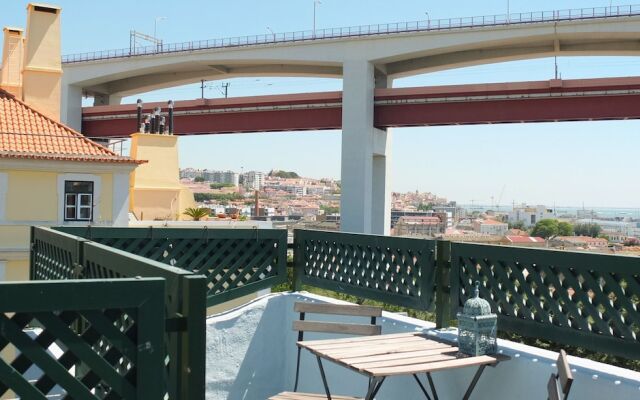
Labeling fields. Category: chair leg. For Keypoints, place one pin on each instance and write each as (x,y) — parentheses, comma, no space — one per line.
(295,386)
(324,378)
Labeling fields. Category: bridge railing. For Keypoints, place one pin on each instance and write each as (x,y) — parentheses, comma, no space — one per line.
(362,30)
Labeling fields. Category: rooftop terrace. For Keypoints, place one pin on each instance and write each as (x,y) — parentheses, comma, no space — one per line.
(101,299)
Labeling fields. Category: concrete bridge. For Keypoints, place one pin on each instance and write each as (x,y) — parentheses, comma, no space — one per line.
(366,58)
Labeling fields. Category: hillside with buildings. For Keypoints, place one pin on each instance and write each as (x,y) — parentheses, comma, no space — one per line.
(289,200)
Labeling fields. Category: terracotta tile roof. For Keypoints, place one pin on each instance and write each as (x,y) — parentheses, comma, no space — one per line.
(26,133)
(524,239)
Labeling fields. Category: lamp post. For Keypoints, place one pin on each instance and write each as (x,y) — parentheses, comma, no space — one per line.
(155,30)
(272,32)
(315,4)
(508,11)
(155,25)
(428,19)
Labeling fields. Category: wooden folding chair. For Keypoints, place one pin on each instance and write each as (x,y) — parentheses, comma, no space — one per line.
(559,384)
(303,325)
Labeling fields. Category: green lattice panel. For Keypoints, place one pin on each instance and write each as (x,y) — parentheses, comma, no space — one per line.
(236,262)
(388,269)
(185,299)
(100,360)
(581,299)
(54,255)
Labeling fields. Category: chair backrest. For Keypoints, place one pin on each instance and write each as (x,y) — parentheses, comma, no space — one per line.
(559,384)
(333,327)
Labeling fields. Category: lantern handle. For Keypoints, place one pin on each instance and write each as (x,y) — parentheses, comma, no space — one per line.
(477,289)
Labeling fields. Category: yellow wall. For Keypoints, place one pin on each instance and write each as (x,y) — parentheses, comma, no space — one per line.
(156,204)
(105,205)
(14,237)
(17,270)
(156,192)
(161,152)
(32,196)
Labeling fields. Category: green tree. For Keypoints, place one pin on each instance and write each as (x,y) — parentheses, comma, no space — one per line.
(517,225)
(546,228)
(284,174)
(220,185)
(330,209)
(565,229)
(196,213)
(198,179)
(588,229)
(425,207)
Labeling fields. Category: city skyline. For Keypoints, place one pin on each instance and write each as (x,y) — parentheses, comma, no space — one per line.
(562,163)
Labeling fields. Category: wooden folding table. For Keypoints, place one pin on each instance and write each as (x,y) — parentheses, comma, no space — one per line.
(379,357)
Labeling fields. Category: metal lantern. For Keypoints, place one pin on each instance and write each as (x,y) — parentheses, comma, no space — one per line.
(477,327)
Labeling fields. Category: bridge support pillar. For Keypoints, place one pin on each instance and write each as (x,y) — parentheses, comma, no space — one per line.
(100,99)
(365,198)
(71,106)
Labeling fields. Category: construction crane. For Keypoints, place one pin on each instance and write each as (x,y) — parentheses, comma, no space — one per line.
(500,198)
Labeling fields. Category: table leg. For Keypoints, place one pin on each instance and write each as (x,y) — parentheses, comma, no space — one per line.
(473,383)
(433,386)
(374,386)
(324,378)
(421,386)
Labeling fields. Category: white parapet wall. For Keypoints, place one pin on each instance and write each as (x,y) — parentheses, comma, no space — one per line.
(251,354)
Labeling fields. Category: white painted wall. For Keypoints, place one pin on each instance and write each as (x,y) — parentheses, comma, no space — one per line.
(251,355)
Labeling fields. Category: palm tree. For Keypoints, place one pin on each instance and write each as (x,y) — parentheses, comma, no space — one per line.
(196,213)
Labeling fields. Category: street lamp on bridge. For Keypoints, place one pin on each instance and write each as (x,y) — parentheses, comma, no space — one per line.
(315,4)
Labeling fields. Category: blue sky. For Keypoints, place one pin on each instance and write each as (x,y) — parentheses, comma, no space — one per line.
(564,163)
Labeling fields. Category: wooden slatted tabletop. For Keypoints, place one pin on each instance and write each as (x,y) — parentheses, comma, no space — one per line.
(396,354)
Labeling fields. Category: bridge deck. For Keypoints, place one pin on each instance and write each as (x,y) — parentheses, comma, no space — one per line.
(539,101)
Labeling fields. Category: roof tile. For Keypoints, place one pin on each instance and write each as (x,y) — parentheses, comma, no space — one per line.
(26,133)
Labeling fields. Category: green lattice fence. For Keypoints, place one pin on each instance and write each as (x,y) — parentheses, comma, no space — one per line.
(99,361)
(185,298)
(580,299)
(58,255)
(393,270)
(236,262)
(185,311)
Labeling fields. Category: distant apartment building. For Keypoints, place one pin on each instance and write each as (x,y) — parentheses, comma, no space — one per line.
(190,173)
(530,215)
(295,190)
(490,227)
(397,214)
(223,177)
(452,213)
(419,226)
(253,180)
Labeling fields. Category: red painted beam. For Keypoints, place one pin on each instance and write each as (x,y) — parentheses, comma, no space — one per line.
(510,111)
(555,100)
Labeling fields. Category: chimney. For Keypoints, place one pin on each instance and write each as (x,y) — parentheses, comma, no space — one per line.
(12,54)
(42,68)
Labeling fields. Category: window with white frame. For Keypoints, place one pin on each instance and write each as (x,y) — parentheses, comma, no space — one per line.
(78,200)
